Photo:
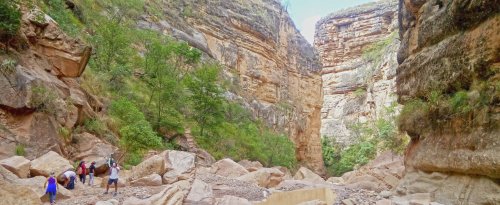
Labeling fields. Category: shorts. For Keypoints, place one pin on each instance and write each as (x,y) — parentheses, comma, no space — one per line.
(111,181)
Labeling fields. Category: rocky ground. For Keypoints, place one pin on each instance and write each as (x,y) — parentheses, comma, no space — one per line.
(177,177)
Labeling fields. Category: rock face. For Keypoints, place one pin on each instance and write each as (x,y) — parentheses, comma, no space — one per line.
(41,96)
(357,48)
(274,70)
(449,47)
(228,168)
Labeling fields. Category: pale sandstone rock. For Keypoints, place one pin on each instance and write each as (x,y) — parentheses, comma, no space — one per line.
(124,178)
(179,166)
(341,39)
(51,161)
(384,202)
(232,200)
(18,195)
(307,175)
(313,202)
(200,193)
(228,168)
(169,196)
(264,177)
(336,180)
(251,165)
(90,148)
(150,180)
(184,185)
(152,165)
(18,165)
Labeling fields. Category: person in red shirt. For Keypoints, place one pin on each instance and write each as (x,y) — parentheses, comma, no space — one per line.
(82,171)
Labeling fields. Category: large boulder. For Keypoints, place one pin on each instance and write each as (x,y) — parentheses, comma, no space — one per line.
(171,195)
(265,177)
(179,165)
(90,148)
(51,161)
(12,194)
(308,175)
(150,180)
(152,165)
(123,179)
(37,185)
(200,193)
(18,165)
(232,200)
(250,165)
(228,168)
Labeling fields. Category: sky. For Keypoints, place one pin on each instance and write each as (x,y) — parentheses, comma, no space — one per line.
(305,13)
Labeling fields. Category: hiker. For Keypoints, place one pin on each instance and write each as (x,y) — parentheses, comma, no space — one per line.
(91,173)
(113,178)
(69,179)
(51,188)
(81,171)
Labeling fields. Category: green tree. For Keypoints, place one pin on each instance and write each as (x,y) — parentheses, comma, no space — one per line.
(136,134)
(10,21)
(206,97)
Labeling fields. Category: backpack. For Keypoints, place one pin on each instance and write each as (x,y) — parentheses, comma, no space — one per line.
(79,170)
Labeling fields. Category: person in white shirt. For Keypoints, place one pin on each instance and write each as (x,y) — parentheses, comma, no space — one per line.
(113,178)
(69,179)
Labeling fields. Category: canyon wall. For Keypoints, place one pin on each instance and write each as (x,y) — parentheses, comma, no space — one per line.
(357,48)
(273,70)
(448,78)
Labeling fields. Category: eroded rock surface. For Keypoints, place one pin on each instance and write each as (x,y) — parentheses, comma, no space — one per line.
(449,47)
(357,86)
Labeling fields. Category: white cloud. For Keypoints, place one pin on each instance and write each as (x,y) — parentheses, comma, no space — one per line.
(308,26)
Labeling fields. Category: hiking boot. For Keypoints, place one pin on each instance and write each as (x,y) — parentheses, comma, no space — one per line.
(105,192)
(114,194)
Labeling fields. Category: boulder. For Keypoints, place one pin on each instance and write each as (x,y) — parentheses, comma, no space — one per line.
(152,165)
(179,165)
(308,175)
(169,196)
(265,177)
(250,165)
(313,202)
(203,158)
(336,180)
(90,148)
(12,194)
(51,161)
(18,165)
(37,185)
(228,168)
(184,185)
(150,180)
(232,200)
(123,179)
(200,193)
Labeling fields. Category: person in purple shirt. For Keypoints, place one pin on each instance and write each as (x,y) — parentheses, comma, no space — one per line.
(51,185)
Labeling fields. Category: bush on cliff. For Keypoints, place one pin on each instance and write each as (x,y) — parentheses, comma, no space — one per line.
(10,21)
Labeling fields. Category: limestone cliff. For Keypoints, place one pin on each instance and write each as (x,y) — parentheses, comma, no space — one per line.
(448,78)
(274,70)
(357,48)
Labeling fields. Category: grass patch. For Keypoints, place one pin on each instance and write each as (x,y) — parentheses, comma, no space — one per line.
(20,150)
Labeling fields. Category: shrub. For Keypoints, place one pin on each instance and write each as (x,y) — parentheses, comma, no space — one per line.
(65,133)
(20,150)
(95,126)
(43,99)
(10,20)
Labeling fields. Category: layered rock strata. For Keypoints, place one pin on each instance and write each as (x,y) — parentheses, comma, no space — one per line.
(272,68)
(41,99)
(451,48)
(357,48)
